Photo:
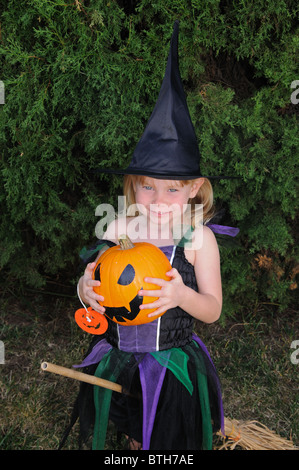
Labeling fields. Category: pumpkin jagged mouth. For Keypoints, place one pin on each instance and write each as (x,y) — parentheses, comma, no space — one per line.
(121,314)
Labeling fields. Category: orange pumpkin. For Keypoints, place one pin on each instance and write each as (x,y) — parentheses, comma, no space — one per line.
(121,270)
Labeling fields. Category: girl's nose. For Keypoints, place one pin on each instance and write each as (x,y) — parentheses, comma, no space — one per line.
(158,198)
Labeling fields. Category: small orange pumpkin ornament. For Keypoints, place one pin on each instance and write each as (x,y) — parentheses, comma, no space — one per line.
(91,321)
(121,270)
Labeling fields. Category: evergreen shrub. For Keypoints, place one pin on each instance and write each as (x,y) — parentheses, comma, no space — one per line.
(81,79)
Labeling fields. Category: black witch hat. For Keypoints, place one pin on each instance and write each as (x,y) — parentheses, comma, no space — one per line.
(168,148)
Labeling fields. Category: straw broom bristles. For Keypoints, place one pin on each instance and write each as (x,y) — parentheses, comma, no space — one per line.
(252,435)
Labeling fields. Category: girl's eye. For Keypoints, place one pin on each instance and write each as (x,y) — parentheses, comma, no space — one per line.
(147,187)
(172,190)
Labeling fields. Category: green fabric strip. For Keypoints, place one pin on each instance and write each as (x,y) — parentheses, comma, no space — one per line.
(187,237)
(102,397)
(176,361)
(203,392)
(85,253)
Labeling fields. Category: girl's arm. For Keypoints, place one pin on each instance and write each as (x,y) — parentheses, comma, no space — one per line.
(86,285)
(204,305)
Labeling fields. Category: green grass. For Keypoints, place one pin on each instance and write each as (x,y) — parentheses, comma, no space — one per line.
(252,356)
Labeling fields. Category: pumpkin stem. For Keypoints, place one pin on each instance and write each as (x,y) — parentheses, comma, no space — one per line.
(125,242)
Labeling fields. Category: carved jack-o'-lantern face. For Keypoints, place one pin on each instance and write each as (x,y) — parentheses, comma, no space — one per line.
(121,271)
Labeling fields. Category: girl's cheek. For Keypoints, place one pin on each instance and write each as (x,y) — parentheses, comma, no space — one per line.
(141,208)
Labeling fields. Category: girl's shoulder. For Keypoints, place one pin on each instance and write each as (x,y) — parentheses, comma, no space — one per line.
(202,243)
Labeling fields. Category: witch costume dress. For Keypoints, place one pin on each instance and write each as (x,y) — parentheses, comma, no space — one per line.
(172,393)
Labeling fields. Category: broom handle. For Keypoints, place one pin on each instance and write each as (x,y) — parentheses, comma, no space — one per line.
(73,374)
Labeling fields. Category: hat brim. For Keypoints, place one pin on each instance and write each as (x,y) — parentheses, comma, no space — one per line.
(163,176)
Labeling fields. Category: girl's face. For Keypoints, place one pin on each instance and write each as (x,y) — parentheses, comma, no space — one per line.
(164,200)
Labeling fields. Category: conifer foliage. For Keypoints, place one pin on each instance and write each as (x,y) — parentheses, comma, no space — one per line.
(81,78)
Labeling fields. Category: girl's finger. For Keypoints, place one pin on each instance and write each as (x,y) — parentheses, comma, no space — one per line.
(150,293)
(158,311)
(172,273)
(90,266)
(97,307)
(149,305)
(93,283)
(155,280)
(97,298)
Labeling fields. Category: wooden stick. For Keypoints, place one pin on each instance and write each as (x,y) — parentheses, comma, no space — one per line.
(73,374)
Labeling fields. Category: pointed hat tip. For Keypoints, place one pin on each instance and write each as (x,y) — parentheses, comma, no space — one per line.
(176,27)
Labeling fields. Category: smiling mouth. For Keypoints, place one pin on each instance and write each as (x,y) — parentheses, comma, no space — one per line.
(121,314)
(159,213)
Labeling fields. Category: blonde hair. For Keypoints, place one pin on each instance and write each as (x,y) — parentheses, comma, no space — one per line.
(204,196)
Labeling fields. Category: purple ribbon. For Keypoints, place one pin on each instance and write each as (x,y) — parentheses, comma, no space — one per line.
(215,378)
(96,354)
(151,377)
(224,229)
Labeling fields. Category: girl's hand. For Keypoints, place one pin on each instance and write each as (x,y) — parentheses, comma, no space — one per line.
(169,296)
(86,285)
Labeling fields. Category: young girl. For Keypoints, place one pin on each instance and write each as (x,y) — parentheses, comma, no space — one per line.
(173,397)
(175,400)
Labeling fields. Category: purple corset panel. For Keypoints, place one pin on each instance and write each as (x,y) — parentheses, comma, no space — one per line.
(142,338)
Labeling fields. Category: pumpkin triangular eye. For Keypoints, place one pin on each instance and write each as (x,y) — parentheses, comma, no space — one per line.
(127,276)
(97,273)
